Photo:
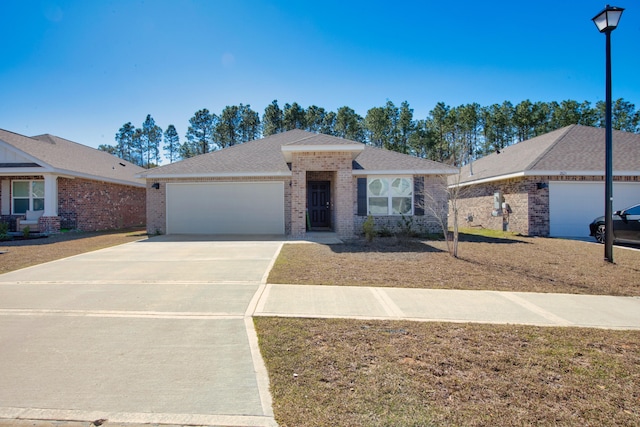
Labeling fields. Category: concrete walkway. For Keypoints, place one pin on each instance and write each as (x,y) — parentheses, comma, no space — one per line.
(450,306)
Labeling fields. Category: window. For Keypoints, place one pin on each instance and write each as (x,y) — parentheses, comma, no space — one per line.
(390,196)
(27,195)
(633,211)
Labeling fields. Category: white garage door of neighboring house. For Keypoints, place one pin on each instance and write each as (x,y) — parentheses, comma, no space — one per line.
(225,208)
(573,205)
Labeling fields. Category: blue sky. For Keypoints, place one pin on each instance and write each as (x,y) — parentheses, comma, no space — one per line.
(80,69)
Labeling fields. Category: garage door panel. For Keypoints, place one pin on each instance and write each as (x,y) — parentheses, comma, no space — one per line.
(573,205)
(225,208)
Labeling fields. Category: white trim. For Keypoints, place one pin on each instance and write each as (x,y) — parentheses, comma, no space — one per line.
(67,174)
(62,172)
(542,173)
(50,195)
(5,186)
(490,179)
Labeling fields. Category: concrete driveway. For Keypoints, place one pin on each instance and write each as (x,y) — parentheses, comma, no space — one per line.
(156,331)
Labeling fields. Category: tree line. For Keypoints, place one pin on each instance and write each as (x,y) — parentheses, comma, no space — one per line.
(452,135)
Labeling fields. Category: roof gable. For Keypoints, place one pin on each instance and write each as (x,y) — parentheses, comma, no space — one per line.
(58,155)
(572,150)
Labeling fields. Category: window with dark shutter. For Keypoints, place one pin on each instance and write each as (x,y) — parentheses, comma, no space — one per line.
(362,196)
(418,195)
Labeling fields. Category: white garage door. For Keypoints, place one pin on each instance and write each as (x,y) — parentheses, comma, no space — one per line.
(225,208)
(573,205)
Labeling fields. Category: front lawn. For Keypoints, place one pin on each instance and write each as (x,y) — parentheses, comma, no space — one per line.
(337,372)
(354,373)
(509,263)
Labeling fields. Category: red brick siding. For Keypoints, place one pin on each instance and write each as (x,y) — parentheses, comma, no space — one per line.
(93,205)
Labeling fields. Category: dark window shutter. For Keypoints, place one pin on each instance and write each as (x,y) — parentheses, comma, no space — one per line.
(362,196)
(418,195)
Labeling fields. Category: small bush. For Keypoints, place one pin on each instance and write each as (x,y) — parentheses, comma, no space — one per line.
(385,231)
(406,227)
(4,231)
(26,232)
(369,229)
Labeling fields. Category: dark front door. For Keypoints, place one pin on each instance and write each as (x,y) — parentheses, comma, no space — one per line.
(319,204)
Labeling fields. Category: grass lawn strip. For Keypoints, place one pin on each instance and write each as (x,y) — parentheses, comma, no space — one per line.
(381,373)
(510,263)
(25,253)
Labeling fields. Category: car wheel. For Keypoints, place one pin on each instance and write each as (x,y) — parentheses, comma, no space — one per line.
(600,233)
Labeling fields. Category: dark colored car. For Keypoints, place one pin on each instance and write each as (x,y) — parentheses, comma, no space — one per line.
(626,226)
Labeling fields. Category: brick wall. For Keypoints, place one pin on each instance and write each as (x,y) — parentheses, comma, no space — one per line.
(529,204)
(89,205)
(307,164)
(157,208)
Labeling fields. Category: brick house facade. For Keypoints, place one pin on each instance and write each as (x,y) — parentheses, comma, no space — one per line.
(70,185)
(298,160)
(521,174)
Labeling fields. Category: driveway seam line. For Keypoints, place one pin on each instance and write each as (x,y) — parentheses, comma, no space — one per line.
(387,303)
(111,313)
(560,321)
(136,417)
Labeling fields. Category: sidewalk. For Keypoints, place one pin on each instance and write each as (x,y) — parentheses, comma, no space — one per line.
(607,312)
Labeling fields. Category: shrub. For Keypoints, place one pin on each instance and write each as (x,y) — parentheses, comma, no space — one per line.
(369,229)
(4,231)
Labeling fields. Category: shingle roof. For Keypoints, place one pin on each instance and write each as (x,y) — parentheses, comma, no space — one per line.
(264,157)
(376,159)
(572,150)
(62,156)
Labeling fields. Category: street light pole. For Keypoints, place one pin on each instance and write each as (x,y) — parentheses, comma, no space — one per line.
(607,21)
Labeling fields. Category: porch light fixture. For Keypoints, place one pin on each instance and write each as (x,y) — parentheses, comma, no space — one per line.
(155,185)
(607,21)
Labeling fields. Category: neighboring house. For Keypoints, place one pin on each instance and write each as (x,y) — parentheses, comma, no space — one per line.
(552,185)
(67,185)
(293,182)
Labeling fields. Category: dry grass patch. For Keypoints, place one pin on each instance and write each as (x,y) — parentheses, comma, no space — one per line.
(394,373)
(504,264)
(19,254)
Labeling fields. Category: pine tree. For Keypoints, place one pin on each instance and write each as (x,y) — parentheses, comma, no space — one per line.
(272,120)
(171,144)
(200,134)
(150,142)
(124,139)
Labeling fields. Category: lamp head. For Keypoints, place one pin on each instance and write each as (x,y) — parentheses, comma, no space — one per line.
(608,19)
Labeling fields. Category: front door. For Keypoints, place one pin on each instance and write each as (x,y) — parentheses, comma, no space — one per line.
(319,204)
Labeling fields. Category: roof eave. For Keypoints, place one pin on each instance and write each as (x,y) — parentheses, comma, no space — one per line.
(543,173)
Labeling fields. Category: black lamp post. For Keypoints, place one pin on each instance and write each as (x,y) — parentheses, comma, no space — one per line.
(607,21)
